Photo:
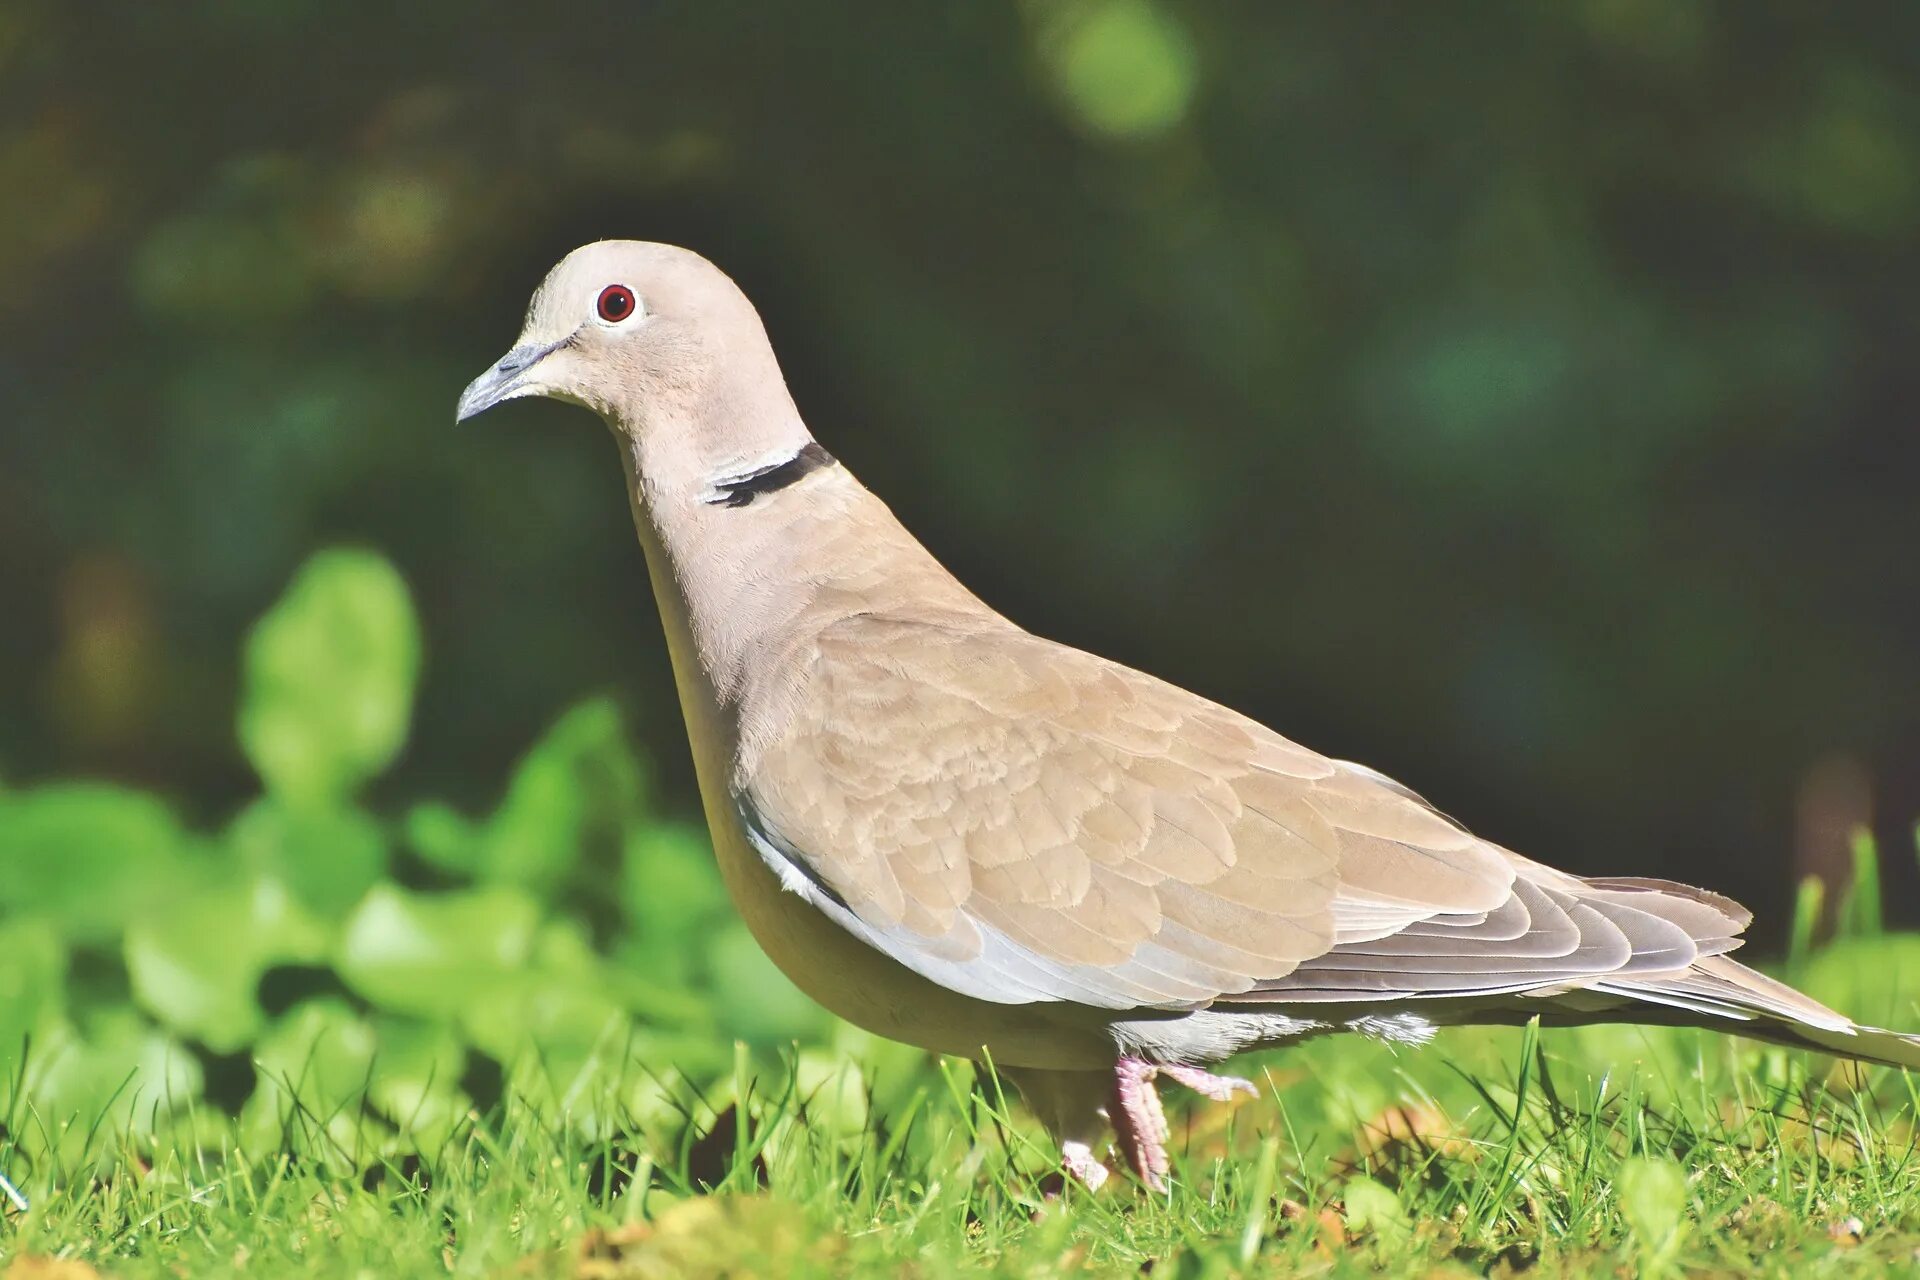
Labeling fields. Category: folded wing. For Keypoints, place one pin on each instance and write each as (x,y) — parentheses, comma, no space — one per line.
(1023,822)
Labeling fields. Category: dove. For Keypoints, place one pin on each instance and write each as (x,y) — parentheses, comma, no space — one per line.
(963,836)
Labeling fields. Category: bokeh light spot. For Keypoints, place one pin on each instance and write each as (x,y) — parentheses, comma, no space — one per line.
(1126,68)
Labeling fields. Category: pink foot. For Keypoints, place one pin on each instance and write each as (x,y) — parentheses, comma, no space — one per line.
(1079,1160)
(1141,1123)
(1208,1085)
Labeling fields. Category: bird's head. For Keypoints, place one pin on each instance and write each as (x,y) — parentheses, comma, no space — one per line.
(656,340)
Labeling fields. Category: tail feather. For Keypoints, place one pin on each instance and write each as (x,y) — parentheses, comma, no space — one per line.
(1573,951)
(1863,1044)
(1716,988)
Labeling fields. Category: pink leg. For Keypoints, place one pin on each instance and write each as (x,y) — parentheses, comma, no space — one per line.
(1140,1122)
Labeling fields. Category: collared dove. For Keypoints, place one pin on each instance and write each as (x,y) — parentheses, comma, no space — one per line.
(960,835)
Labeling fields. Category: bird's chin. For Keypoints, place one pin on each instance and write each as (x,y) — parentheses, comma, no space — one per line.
(569,397)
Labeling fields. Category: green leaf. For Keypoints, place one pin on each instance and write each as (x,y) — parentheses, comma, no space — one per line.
(330,674)
(322,1049)
(313,1067)
(86,856)
(834,1092)
(1376,1209)
(327,857)
(1873,978)
(443,836)
(559,1034)
(197,965)
(559,1010)
(564,956)
(1808,901)
(1653,1201)
(121,1072)
(577,789)
(436,955)
(33,974)
(1859,915)
(669,884)
(674,902)
(761,1005)
(416,1079)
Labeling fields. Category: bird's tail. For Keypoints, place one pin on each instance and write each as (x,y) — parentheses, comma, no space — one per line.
(1726,995)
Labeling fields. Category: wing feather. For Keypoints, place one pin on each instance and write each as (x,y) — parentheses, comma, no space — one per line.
(1025,822)
(967,797)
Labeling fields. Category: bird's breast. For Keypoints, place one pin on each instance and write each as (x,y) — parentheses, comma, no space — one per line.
(831,965)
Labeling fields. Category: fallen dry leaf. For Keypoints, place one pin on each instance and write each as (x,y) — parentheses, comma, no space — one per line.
(1332,1231)
(706,1237)
(1413,1126)
(30,1268)
(601,1251)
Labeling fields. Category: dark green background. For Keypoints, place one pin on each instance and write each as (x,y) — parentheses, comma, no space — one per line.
(1519,398)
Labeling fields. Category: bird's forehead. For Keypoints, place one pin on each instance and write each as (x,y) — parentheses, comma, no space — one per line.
(653,271)
(563,296)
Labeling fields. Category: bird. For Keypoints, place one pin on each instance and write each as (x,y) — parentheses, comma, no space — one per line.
(963,836)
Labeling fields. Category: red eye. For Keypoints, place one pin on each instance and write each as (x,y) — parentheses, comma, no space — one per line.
(616,303)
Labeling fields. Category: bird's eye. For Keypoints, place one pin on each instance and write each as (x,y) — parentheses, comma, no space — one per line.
(616,303)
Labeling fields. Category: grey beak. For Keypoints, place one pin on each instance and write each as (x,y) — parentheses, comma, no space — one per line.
(502,382)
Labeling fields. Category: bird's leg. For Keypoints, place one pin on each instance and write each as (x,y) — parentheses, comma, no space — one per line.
(1073,1107)
(1140,1122)
(1077,1107)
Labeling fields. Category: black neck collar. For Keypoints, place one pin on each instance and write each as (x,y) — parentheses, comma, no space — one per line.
(769,479)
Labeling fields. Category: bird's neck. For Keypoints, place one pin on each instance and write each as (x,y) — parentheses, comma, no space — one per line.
(752,559)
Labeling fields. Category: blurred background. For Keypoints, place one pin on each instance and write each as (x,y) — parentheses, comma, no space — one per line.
(1517,398)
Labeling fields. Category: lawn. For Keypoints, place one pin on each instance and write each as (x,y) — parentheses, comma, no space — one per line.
(335,1036)
(1608,1151)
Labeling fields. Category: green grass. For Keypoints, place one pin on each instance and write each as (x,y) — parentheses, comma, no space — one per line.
(1605,1150)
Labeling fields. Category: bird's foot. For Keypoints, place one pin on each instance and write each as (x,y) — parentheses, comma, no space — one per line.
(1077,1158)
(1208,1085)
(1140,1122)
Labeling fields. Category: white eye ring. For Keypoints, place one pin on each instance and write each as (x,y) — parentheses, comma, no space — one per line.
(616,304)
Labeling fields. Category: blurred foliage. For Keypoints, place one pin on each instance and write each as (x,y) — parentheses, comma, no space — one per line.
(314,951)
(1520,393)
(329,680)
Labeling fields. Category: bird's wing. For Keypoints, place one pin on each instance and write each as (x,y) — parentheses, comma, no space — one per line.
(1021,821)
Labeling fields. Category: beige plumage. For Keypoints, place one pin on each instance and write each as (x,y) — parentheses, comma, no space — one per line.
(966,837)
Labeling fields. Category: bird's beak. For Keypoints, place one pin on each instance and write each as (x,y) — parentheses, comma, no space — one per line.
(504,381)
